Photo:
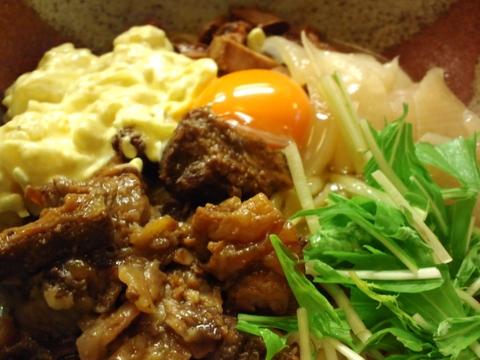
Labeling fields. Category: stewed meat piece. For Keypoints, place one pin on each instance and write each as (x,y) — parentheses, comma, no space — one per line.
(81,225)
(207,160)
(233,239)
(108,280)
(234,236)
(120,188)
(248,294)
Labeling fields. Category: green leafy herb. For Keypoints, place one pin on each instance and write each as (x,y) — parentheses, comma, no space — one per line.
(436,305)
(400,256)
(324,320)
(406,338)
(457,158)
(287,324)
(373,217)
(373,313)
(454,335)
(470,266)
(461,229)
(405,170)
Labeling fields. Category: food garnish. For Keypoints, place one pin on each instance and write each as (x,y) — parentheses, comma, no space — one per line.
(403,252)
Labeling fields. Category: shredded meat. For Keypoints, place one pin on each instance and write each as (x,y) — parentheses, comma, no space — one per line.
(144,282)
(208,161)
(79,226)
(161,237)
(162,345)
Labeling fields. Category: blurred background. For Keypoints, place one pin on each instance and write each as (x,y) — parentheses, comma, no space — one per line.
(424,33)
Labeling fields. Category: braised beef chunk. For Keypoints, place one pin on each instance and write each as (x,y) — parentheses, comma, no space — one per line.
(110,279)
(235,236)
(86,216)
(233,239)
(261,291)
(80,226)
(81,286)
(121,189)
(208,160)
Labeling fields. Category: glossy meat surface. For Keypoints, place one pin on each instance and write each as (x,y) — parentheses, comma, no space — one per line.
(79,226)
(207,160)
(118,283)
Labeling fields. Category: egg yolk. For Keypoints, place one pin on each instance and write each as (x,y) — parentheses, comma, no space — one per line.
(265,100)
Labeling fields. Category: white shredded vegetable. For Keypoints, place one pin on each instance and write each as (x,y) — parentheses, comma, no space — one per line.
(304,334)
(300,183)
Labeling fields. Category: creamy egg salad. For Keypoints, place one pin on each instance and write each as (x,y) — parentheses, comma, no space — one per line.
(65,114)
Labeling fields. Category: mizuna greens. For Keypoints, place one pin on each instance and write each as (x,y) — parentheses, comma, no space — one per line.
(399,256)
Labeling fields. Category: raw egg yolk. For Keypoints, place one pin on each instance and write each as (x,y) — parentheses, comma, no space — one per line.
(262,99)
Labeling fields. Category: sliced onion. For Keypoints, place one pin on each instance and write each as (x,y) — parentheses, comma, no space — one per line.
(439,111)
(378,91)
(291,54)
